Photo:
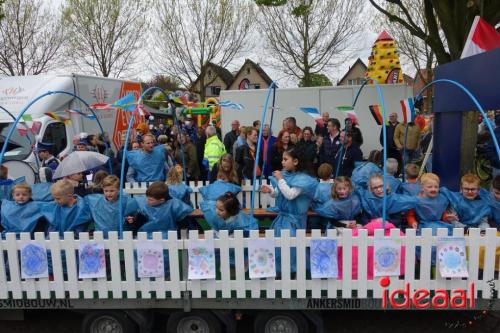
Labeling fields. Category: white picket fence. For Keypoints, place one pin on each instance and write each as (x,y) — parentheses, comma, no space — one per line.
(262,200)
(121,281)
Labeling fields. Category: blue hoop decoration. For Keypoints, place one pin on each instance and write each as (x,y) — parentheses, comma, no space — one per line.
(474,100)
(257,153)
(124,158)
(384,136)
(48,93)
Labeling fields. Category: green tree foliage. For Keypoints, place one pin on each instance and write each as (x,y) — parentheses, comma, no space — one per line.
(316,80)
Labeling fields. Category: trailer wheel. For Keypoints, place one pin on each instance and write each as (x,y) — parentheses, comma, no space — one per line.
(193,322)
(280,322)
(108,322)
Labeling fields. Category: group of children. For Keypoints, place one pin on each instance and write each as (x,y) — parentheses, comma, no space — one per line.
(341,202)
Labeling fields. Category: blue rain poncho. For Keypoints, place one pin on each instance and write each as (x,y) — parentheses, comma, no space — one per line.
(429,212)
(342,209)
(323,194)
(292,214)
(163,217)
(470,212)
(362,173)
(41,192)
(180,191)
(241,221)
(20,217)
(61,218)
(407,188)
(394,184)
(495,209)
(372,205)
(148,166)
(106,214)
(218,188)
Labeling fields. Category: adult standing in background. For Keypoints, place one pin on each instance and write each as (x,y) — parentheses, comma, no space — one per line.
(231,136)
(331,144)
(281,145)
(190,156)
(412,140)
(308,146)
(214,148)
(392,149)
(246,156)
(321,125)
(268,140)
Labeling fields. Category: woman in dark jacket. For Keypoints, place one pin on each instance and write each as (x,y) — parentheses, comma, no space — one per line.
(308,146)
(282,144)
(350,155)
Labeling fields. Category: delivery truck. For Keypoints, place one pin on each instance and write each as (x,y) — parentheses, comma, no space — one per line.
(16,92)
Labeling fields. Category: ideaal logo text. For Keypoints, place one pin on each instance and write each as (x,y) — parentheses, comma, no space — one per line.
(423,299)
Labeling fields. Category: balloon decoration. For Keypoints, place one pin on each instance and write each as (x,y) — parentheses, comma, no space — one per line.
(383,63)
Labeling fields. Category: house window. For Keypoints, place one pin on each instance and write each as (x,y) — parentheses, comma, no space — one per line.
(215,90)
(248,70)
(209,73)
(256,86)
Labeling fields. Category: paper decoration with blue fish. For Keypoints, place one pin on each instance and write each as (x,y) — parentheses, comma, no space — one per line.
(323,258)
(231,105)
(150,260)
(126,103)
(386,257)
(261,258)
(201,255)
(310,111)
(452,257)
(34,262)
(92,261)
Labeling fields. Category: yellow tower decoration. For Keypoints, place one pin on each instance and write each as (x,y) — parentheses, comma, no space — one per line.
(383,63)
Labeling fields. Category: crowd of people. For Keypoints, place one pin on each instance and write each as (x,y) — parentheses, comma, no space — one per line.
(322,170)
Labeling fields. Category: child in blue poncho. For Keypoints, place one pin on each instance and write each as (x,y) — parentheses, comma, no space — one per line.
(361,174)
(158,211)
(344,208)
(470,208)
(411,186)
(431,206)
(323,194)
(69,212)
(294,191)
(22,214)
(176,187)
(392,169)
(226,214)
(372,202)
(105,207)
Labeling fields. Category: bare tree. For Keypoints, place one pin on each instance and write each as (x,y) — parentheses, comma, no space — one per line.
(105,36)
(449,19)
(191,34)
(305,39)
(31,37)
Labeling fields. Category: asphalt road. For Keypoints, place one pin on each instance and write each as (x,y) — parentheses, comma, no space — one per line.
(58,321)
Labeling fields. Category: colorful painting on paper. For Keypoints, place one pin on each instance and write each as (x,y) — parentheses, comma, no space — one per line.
(34,262)
(92,262)
(201,259)
(323,257)
(452,258)
(150,260)
(261,258)
(386,257)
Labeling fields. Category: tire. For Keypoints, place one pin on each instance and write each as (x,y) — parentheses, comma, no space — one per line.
(108,322)
(193,322)
(280,322)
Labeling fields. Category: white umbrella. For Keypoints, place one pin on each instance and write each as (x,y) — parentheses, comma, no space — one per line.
(79,161)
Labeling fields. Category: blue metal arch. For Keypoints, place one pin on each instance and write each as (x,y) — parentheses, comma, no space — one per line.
(48,93)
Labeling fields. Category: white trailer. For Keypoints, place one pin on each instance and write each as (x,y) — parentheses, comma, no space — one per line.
(326,99)
(17,92)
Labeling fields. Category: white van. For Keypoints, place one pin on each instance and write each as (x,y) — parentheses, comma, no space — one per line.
(17,92)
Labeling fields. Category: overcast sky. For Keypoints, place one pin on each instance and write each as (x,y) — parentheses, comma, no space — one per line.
(364,45)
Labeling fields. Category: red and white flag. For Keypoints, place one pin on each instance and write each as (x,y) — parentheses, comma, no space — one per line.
(482,37)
